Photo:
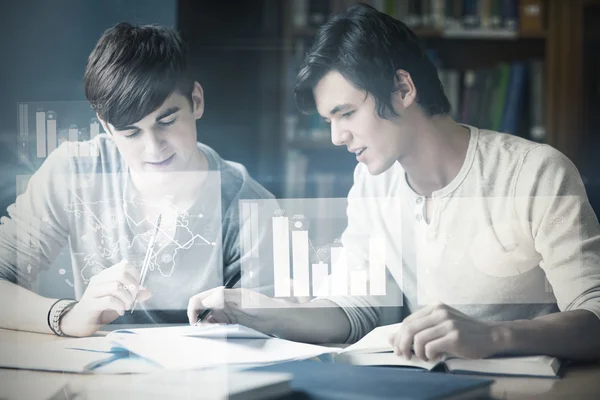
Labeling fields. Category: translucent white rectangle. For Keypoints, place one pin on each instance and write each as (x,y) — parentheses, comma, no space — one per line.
(84,149)
(28,244)
(73,134)
(320,280)
(94,150)
(23,133)
(40,132)
(339,271)
(376,267)
(246,230)
(281,256)
(254,226)
(52,137)
(94,130)
(300,263)
(358,283)
(74,137)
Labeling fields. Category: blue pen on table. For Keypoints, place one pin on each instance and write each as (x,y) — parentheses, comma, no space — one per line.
(228,285)
(146,263)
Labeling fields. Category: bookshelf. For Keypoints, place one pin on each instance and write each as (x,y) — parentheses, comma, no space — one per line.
(529,51)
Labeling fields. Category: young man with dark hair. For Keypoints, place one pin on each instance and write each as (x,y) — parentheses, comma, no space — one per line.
(487,219)
(150,181)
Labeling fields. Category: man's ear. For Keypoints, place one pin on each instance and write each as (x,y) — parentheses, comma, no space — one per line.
(198,100)
(405,92)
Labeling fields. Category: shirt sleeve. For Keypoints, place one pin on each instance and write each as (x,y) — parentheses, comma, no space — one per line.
(363,312)
(36,228)
(551,197)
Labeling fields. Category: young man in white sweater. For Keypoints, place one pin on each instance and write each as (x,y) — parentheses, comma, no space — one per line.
(490,237)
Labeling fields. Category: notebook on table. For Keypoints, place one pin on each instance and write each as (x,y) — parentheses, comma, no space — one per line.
(324,381)
(184,385)
(374,350)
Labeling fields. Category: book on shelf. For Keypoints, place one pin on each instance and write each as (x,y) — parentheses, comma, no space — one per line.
(536,98)
(531,16)
(375,350)
(309,13)
(498,98)
(455,16)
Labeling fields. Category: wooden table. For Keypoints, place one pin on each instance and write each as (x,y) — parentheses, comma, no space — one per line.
(578,381)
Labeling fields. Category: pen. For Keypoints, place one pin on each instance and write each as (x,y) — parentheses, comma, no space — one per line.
(146,263)
(228,285)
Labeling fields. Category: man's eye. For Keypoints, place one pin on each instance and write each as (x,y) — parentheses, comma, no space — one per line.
(348,114)
(134,134)
(167,123)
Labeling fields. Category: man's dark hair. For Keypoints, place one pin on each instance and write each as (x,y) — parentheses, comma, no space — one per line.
(133,69)
(367,47)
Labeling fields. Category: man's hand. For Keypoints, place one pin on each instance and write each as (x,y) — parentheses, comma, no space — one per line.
(438,329)
(227,307)
(108,295)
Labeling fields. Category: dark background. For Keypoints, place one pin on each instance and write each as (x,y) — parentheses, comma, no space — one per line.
(236,47)
(45,45)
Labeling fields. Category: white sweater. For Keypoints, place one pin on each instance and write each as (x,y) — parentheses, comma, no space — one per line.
(513,236)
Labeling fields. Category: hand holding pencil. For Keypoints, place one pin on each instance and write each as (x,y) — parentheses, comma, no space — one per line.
(109,294)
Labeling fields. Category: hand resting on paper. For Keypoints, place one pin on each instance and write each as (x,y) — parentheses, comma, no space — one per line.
(228,308)
(109,294)
(438,329)
(319,321)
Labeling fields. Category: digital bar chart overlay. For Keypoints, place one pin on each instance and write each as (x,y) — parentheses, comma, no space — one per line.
(43,126)
(295,273)
(308,253)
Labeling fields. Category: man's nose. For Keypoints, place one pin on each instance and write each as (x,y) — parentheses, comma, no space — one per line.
(339,135)
(155,143)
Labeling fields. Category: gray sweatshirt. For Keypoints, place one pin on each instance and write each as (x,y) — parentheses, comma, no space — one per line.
(88,204)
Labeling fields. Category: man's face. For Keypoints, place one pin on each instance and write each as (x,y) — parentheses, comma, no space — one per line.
(164,140)
(377,142)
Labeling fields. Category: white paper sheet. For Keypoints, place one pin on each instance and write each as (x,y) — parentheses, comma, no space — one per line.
(181,352)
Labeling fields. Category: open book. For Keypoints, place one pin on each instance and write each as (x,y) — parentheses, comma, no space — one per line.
(374,349)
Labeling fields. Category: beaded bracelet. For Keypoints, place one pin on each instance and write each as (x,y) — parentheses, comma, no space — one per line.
(56,312)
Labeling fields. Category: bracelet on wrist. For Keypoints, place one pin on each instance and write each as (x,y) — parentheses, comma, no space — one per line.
(56,312)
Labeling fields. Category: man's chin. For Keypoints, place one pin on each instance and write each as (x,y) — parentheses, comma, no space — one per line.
(377,169)
(162,176)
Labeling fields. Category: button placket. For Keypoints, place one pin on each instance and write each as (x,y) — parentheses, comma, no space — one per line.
(419,208)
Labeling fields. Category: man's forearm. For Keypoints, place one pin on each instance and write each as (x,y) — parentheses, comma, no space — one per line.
(320,321)
(22,309)
(570,334)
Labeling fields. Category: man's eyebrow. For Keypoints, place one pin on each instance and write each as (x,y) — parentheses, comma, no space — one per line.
(339,108)
(166,113)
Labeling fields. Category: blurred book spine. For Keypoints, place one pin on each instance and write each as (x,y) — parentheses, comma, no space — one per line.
(531,17)
(536,90)
(460,15)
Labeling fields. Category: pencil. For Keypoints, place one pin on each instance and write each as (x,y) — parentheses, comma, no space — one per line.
(146,263)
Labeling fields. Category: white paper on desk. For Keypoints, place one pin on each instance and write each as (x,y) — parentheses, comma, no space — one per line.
(182,352)
(216,331)
(96,343)
(46,357)
(232,331)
